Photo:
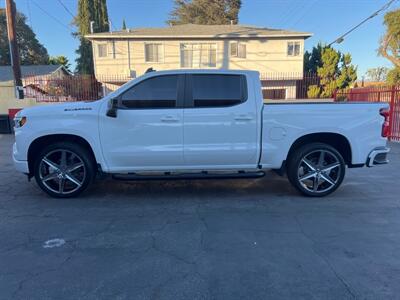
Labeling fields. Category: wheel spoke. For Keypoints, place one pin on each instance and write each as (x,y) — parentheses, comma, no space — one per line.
(50,163)
(321,159)
(315,183)
(74,167)
(327,178)
(73,179)
(330,167)
(61,185)
(309,164)
(308,176)
(63,162)
(50,176)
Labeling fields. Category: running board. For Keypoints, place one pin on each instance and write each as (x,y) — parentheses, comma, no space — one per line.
(203,175)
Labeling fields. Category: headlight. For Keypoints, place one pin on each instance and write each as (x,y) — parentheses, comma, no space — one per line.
(19,121)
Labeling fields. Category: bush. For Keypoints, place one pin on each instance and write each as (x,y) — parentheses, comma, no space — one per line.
(393,76)
(313,91)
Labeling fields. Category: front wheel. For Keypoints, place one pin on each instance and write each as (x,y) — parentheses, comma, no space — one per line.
(316,169)
(64,170)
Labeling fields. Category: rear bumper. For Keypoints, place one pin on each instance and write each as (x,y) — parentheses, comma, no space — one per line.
(378,156)
(20,165)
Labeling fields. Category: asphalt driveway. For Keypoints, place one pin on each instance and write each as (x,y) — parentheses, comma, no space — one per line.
(205,239)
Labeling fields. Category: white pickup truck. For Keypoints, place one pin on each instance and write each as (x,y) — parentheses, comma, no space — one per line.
(197,124)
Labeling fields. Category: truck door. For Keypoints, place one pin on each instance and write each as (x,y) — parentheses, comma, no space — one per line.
(220,122)
(147,133)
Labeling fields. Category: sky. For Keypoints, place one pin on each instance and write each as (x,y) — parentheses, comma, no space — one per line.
(326,19)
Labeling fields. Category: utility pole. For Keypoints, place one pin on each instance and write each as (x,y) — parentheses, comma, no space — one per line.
(14,53)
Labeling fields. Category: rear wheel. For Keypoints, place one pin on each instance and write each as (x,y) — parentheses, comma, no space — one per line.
(64,170)
(316,169)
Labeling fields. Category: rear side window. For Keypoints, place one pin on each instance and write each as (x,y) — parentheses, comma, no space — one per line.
(218,90)
(155,92)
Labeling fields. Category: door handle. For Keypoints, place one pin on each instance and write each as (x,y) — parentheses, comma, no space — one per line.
(169,119)
(243,117)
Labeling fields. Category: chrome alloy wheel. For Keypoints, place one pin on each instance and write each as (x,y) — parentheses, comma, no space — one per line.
(319,171)
(62,171)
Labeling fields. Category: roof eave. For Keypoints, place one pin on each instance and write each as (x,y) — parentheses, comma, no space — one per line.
(138,37)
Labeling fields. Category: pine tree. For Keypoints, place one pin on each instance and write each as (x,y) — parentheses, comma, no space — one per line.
(123,24)
(209,12)
(89,10)
(30,50)
(334,69)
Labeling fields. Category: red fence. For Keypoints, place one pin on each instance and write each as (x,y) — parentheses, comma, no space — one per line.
(50,88)
(386,94)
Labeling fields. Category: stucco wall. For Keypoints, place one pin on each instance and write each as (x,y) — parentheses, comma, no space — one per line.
(126,57)
(8,100)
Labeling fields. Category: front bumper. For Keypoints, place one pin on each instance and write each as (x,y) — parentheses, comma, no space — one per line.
(20,165)
(378,156)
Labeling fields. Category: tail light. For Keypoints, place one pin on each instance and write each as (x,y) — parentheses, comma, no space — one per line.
(385,112)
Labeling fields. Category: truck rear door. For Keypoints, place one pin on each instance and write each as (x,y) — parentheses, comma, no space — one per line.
(220,122)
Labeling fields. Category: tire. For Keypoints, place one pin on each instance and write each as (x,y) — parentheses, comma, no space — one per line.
(316,169)
(64,169)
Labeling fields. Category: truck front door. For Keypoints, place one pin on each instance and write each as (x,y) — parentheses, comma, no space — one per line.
(147,133)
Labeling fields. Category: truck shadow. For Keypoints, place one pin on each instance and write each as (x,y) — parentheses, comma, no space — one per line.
(270,185)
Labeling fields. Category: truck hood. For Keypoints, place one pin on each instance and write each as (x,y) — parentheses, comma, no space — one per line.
(60,108)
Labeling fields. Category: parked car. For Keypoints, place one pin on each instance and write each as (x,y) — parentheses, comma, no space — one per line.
(197,124)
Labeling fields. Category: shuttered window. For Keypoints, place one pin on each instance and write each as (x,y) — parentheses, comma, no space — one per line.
(153,52)
(198,55)
(293,48)
(102,50)
(238,50)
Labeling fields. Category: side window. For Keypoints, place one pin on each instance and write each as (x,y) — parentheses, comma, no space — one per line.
(218,90)
(238,50)
(153,52)
(155,92)
(102,50)
(293,48)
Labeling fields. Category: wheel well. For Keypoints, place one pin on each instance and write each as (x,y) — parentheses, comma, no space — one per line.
(337,141)
(39,143)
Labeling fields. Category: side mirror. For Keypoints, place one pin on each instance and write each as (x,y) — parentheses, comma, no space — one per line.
(112,108)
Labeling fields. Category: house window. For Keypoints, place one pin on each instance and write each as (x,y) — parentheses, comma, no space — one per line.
(102,50)
(293,48)
(153,52)
(198,55)
(238,50)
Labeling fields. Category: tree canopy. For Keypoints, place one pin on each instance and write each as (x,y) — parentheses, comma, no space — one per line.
(208,12)
(60,60)
(390,45)
(377,74)
(89,10)
(30,50)
(334,69)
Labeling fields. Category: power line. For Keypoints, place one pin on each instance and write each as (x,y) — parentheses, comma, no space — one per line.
(307,9)
(29,13)
(341,38)
(51,16)
(66,8)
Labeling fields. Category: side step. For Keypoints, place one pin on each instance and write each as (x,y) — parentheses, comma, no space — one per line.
(203,175)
